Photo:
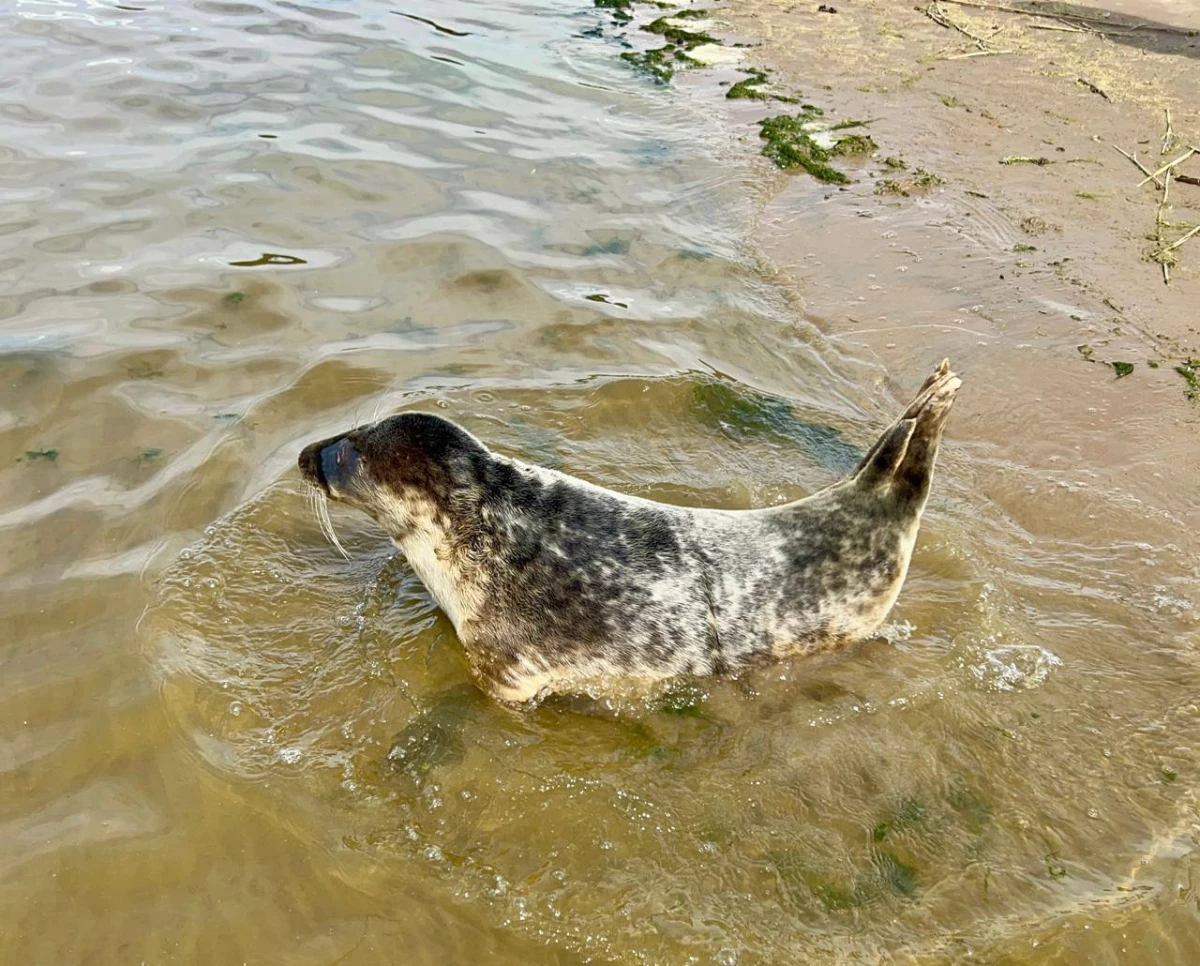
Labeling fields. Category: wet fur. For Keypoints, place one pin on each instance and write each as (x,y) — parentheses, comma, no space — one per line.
(551,581)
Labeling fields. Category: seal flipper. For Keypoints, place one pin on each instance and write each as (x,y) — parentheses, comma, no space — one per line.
(903,457)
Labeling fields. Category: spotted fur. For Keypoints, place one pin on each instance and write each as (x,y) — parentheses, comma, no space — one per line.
(551,581)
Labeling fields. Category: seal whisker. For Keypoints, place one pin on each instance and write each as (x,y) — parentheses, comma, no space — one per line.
(320,508)
(378,406)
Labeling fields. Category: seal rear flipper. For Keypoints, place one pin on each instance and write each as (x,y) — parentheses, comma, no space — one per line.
(903,457)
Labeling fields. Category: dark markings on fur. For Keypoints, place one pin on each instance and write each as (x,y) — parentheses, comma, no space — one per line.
(716,662)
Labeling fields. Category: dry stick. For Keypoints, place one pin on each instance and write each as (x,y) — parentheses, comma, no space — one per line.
(1099,26)
(1059,26)
(939,18)
(1195,229)
(1158,229)
(976,53)
(1168,166)
(1141,166)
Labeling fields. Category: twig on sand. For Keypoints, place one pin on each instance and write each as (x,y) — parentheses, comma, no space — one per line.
(1093,88)
(934,13)
(1168,140)
(1065,28)
(1042,162)
(1168,166)
(1164,251)
(1162,254)
(1088,24)
(976,53)
(1141,167)
(1191,232)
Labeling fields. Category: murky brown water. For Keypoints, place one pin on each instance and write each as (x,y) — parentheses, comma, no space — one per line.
(199,694)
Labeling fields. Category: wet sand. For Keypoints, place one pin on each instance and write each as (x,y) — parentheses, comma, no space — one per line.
(1064,92)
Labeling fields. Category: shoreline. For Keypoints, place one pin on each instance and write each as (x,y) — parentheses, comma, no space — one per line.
(1022,138)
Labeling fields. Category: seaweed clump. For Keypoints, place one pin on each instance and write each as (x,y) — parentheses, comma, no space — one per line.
(679,36)
(920,180)
(801,141)
(660,62)
(1190,371)
(749,88)
(621,10)
(653,62)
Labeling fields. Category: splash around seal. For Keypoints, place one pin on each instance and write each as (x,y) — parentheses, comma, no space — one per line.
(551,581)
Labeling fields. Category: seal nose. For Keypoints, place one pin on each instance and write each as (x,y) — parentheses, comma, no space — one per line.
(339,463)
(331,465)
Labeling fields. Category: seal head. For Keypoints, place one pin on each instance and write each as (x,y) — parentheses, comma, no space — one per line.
(398,470)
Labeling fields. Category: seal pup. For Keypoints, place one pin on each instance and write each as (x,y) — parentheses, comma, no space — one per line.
(551,581)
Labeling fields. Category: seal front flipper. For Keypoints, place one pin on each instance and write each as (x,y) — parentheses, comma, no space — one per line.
(901,461)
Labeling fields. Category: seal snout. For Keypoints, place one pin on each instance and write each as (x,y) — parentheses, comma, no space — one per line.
(331,464)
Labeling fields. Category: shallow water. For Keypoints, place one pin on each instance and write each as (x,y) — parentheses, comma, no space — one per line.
(491,216)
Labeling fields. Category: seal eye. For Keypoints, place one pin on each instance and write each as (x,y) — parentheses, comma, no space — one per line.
(339,465)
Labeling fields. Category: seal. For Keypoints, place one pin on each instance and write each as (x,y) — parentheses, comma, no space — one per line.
(551,581)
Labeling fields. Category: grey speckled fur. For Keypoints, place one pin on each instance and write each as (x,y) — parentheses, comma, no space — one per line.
(551,581)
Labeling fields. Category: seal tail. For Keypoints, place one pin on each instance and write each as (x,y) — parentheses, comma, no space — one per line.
(902,459)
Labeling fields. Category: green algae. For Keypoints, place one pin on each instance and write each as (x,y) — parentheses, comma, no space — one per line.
(1122,369)
(896,875)
(790,145)
(660,63)
(653,63)
(1190,371)
(855,144)
(621,10)
(680,36)
(601,297)
(919,180)
(745,414)
(141,369)
(910,813)
(749,88)
(887,873)
(974,811)
(435,736)
(682,698)
(800,880)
